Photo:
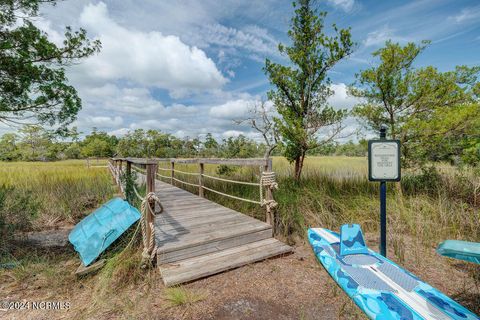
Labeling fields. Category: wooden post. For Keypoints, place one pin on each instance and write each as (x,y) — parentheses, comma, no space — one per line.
(129,169)
(200,180)
(115,169)
(88,163)
(270,215)
(151,172)
(129,183)
(172,166)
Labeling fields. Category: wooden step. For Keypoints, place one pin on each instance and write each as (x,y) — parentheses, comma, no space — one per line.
(165,256)
(209,264)
(180,238)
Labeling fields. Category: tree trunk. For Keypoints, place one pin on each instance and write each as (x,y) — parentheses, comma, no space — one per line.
(299,166)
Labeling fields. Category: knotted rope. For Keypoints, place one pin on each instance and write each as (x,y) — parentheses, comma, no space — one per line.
(268,180)
(149,246)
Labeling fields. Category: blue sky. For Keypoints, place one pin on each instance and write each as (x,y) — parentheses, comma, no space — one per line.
(189,67)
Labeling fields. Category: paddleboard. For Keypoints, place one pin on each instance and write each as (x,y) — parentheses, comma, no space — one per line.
(462,250)
(381,288)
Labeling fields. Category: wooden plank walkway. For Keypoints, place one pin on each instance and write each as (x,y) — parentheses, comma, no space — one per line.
(198,238)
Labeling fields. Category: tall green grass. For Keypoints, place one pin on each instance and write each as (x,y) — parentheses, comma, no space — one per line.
(35,195)
(435,203)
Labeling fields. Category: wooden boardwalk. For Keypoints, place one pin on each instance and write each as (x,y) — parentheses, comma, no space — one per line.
(197,237)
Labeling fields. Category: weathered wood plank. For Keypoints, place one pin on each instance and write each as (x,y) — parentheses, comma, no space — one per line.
(206,265)
(185,234)
(214,246)
(211,221)
(84,270)
(176,242)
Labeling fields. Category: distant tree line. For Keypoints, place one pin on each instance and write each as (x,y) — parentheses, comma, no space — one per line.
(435,114)
(34,143)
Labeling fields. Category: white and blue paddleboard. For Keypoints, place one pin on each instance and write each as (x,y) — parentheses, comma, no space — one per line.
(382,289)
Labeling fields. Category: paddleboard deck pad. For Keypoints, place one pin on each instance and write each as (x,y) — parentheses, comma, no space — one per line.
(381,288)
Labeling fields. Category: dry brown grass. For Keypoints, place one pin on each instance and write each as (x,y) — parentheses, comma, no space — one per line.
(289,287)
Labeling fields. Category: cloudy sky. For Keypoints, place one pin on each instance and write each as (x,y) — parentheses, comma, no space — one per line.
(189,67)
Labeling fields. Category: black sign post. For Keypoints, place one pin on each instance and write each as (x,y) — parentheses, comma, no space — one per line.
(383,206)
(383,166)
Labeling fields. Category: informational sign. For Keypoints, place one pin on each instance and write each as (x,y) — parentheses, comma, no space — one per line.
(384,160)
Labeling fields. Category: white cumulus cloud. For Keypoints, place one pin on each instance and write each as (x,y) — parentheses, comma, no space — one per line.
(147,58)
(346,5)
(340,99)
(234,109)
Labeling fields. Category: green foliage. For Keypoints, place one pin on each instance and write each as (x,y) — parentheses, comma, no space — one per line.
(238,147)
(428,181)
(423,107)
(33,81)
(129,182)
(350,149)
(17,209)
(98,144)
(151,143)
(9,147)
(35,143)
(225,170)
(303,87)
(73,151)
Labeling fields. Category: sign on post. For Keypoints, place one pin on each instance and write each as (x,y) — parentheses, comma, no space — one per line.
(383,166)
(384,160)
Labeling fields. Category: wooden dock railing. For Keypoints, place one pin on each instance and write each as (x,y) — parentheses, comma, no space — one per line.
(151,169)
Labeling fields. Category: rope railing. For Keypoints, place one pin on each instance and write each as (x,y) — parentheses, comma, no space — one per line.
(231,196)
(186,173)
(137,193)
(266,184)
(139,169)
(232,181)
(162,176)
(184,182)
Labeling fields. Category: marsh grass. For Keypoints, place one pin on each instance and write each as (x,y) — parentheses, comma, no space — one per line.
(181,296)
(59,192)
(436,203)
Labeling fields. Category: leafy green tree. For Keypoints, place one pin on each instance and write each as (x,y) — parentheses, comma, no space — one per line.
(449,134)
(96,148)
(9,150)
(98,144)
(239,147)
(132,144)
(303,87)
(33,84)
(210,146)
(73,151)
(35,141)
(418,105)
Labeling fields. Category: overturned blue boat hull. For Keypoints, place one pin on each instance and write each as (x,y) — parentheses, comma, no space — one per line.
(101,228)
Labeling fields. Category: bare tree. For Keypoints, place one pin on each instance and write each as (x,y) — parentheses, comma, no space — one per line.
(260,118)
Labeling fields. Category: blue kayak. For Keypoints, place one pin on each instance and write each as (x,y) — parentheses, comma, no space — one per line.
(101,228)
(381,288)
(462,250)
